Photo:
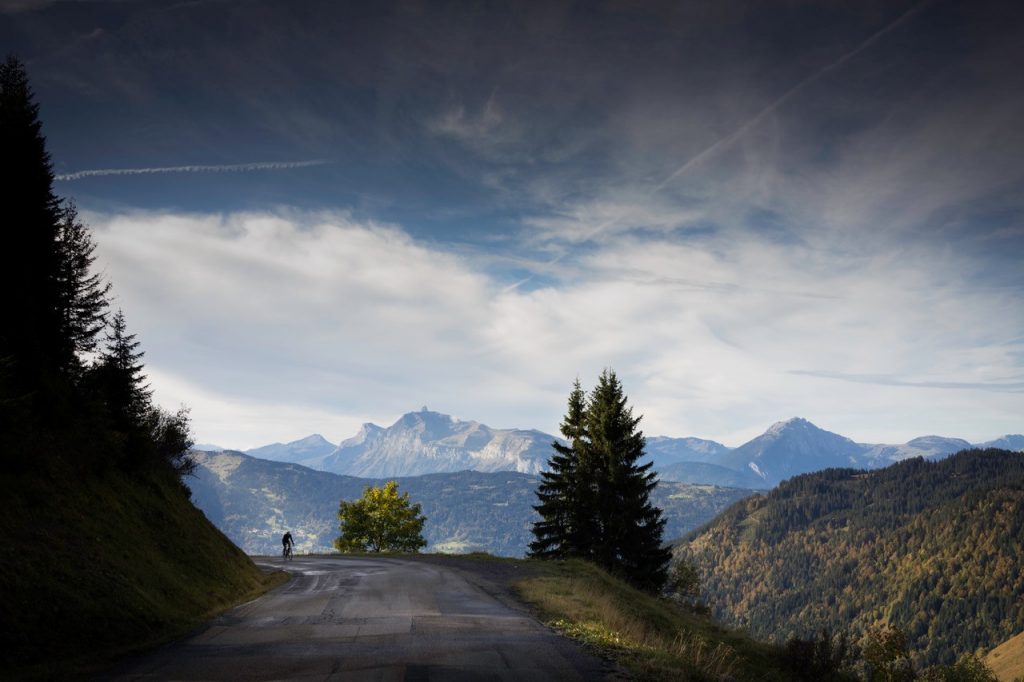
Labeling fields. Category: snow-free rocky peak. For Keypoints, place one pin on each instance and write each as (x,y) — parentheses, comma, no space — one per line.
(426,442)
(295,451)
(793,447)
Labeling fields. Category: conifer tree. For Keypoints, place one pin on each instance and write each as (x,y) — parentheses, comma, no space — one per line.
(82,293)
(594,501)
(121,381)
(31,341)
(630,526)
(566,522)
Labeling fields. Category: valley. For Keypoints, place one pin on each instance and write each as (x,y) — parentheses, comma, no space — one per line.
(255,501)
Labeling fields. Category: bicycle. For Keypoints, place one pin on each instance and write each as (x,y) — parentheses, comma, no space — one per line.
(286,553)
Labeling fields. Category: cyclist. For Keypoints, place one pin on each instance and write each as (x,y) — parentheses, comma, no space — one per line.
(288,544)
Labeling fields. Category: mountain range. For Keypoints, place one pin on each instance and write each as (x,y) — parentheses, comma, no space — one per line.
(254,501)
(426,442)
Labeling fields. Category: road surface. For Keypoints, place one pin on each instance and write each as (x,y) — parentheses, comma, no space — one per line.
(354,619)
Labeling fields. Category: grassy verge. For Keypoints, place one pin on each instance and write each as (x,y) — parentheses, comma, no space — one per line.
(105,565)
(1007,659)
(655,639)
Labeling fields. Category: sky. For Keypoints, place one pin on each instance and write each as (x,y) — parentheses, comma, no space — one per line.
(318,214)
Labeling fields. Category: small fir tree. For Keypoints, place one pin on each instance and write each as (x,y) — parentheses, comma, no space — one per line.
(82,293)
(122,384)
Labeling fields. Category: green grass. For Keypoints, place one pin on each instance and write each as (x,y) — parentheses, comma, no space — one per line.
(106,564)
(654,638)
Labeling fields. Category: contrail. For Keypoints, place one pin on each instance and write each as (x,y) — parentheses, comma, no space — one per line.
(225,168)
(724,142)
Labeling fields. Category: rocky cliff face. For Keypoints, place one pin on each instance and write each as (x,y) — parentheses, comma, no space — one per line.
(429,442)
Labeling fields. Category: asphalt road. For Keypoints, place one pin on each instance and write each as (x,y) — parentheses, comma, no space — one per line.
(359,619)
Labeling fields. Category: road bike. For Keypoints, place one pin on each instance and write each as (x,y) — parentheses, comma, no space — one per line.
(286,553)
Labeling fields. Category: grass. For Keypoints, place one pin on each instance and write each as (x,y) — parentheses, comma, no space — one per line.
(654,638)
(1007,659)
(103,565)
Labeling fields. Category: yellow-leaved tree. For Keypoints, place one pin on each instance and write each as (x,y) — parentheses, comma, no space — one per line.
(380,521)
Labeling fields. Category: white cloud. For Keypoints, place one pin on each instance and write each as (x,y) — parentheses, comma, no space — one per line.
(272,326)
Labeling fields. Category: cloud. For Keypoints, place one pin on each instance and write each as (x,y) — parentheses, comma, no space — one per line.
(241,423)
(348,321)
(884,380)
(222,168)
(724,142)
(726,211)
(16,6)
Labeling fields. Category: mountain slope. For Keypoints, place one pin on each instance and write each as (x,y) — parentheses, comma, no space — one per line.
(255,501)
(791,448)
(1007,659)
(929,447)
(712,474)
(663,450)
(933,547)
(1013,442)
(429,442)
(309,447)
(99,564)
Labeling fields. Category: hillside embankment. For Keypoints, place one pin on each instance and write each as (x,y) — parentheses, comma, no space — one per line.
(103,564)
(1007,659)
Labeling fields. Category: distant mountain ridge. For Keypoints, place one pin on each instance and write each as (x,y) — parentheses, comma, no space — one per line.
(254,501)
(296,451)
(427,442)
(793,447)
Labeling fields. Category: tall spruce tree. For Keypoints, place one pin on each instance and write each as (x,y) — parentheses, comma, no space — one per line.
(566,524)
(631,527)
(55,308)
(594,501)
(31,343)
(82,294)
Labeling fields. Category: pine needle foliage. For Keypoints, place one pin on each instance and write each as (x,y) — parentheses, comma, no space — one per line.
(594,501)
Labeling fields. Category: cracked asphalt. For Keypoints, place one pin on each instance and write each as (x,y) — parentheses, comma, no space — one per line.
(357,618)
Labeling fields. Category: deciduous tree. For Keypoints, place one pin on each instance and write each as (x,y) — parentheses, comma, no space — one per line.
(381,521)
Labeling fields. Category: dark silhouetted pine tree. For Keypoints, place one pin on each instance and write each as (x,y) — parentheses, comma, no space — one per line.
(122,384)
(82,294)
(52,406)
(566,525)
(630,526)
(594,501)
(31,343)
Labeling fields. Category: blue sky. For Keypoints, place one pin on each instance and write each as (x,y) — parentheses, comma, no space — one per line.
(316,214)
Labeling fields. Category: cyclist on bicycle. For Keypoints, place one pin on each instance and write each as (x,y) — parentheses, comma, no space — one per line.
(288,543)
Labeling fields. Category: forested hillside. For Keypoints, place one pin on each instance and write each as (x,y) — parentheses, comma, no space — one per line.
(103,550)
(933,548)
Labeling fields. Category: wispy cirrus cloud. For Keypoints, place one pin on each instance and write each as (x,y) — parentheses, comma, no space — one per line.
(889,380)
(219,168)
